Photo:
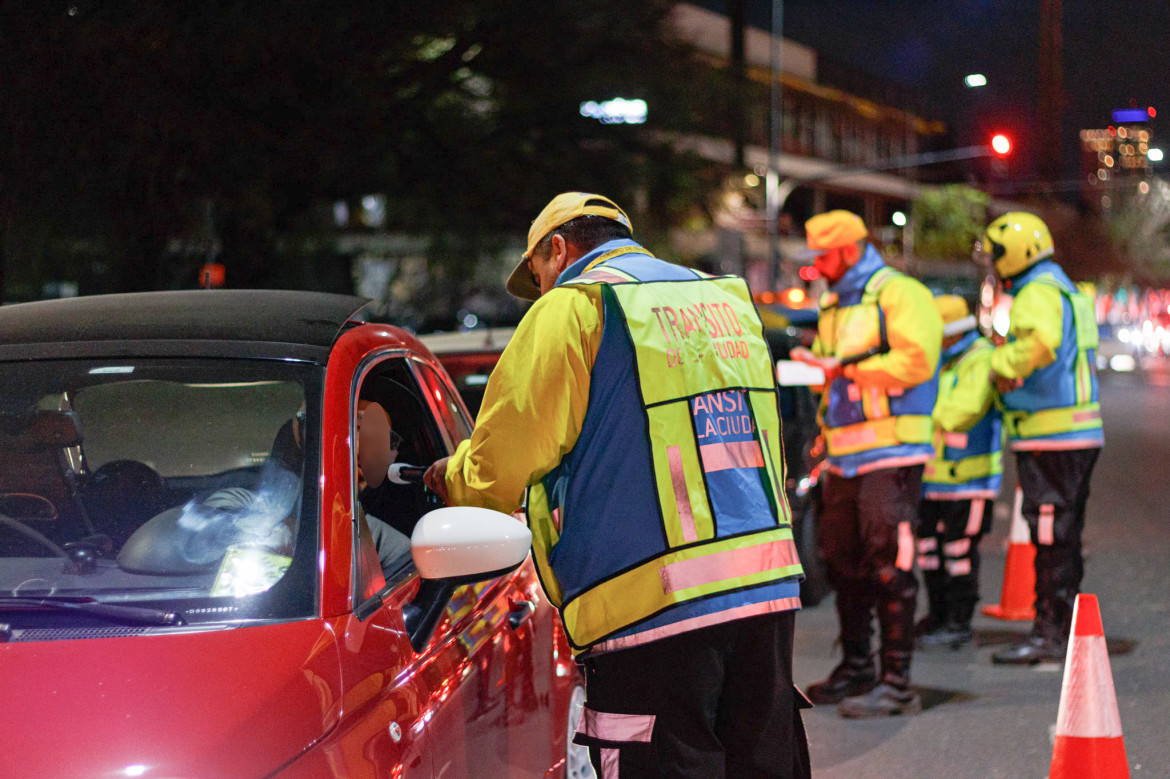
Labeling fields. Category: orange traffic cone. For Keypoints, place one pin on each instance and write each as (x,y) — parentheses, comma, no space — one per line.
(1088,727)
(1017,601)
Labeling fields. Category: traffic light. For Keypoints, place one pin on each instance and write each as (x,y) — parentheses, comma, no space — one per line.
(1001,145)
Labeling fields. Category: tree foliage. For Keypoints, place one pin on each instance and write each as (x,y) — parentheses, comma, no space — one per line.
(1140,228)
(221,125)
(948,221)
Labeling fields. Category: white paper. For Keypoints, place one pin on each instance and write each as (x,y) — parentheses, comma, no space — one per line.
(793,373)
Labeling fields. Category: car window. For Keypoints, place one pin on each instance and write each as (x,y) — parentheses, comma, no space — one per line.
(446,405)
(386,514)
(177,482)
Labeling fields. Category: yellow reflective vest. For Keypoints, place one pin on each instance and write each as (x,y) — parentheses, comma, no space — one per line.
(665,510)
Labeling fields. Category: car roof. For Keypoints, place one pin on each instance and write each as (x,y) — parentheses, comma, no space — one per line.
(311,319)
(486,340)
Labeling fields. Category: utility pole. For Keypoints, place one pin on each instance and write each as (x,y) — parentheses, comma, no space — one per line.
(775,143)
(737,16)
(1051,102)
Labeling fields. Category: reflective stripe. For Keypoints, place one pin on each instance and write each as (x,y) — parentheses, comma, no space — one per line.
(959,567)
(888,462)
(957,548)
(681,496)
(960,494)
(694,623)
(877,407)
(850,438)
(609,763)
(729,454)
(955,440)
(1044,530)
(721,566)
(975,517)
(603,276)
(775,472)
(927,545)
(905,561)
(1057,445)
(606,726)
(978,466)
(1091,711)
(1019,532)
(928,563)
(632,595)
(872,434)
(1050,421)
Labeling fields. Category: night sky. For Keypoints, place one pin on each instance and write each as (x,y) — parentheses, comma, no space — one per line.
(1114,53)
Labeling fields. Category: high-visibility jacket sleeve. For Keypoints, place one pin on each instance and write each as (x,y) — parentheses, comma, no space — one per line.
(534,403)
(1037,327)
(914,332)
(963,404)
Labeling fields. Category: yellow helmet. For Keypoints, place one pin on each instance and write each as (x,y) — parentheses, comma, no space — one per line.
(1015,242)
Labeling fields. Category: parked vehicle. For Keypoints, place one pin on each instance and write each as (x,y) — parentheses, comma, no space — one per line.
(190,586)
(1119,348)
(469,358)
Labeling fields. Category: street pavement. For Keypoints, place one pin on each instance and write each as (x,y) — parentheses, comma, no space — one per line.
(982,720)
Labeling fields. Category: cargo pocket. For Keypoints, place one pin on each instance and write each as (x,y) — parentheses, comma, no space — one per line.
(608,735)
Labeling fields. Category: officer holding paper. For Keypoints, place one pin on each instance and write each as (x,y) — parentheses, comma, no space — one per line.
(879,338)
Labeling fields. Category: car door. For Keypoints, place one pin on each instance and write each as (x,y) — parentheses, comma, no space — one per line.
(492,653)
(388,693)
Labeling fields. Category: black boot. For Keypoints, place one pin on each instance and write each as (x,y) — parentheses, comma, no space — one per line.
(1049,640)
(936,598)
(955,633)
(892,697)
(855,675)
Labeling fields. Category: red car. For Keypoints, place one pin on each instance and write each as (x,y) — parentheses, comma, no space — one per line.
(194,583)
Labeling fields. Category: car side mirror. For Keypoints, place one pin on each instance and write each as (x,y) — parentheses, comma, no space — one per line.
(458,545)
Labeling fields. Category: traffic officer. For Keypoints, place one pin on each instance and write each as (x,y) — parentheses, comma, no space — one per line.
(960,484)
(1046,373)
(878,341)
(637,406)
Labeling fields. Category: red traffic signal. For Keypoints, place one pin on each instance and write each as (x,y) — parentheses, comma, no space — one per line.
(212,275)
(1001,145)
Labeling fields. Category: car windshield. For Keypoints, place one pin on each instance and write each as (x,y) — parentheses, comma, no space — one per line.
(173,484)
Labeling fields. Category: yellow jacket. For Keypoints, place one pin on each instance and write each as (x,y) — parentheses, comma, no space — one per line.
(554,348)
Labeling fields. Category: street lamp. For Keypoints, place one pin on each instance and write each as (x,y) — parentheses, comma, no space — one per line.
(898,218)
(975,80)
(1154,155)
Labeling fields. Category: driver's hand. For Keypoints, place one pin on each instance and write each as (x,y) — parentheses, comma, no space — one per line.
(436,479)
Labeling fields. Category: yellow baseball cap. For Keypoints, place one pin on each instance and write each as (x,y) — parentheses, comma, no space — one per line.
(563,208)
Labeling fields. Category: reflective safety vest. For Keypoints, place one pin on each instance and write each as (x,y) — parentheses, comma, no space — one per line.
(869,428)
(669,513)
(967,463)
(1058,406)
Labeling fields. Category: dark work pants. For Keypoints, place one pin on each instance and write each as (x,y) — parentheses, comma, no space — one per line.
(723,702)
(867,541)
(1056,489)
(949,532)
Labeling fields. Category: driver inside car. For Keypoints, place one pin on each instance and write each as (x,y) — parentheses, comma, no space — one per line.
(377,449)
